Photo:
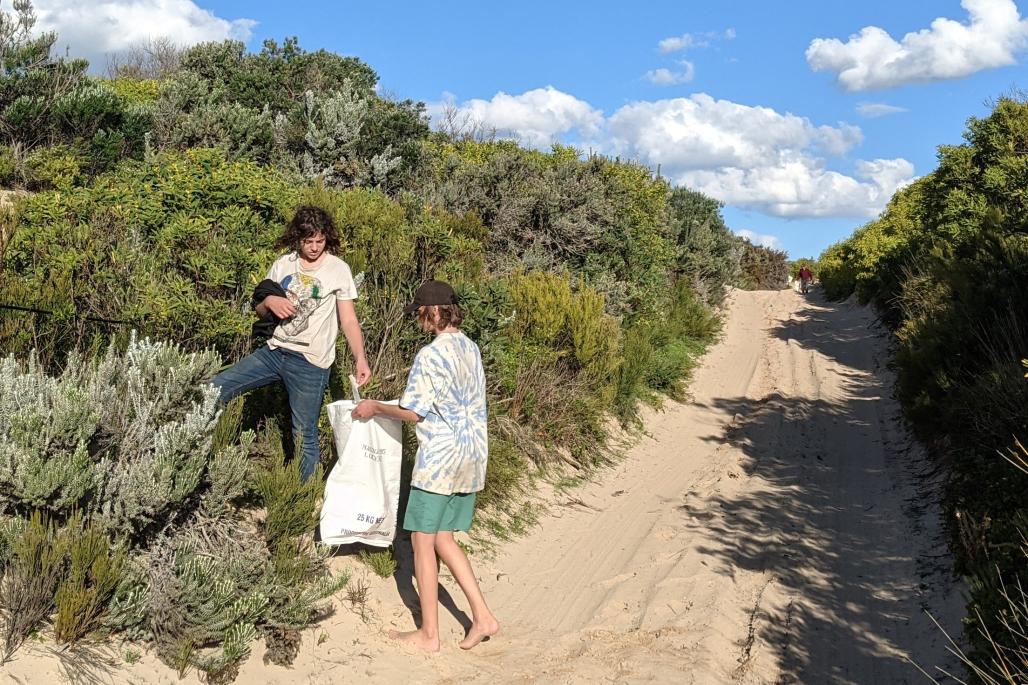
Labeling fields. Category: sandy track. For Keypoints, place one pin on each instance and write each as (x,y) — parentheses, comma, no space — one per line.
(771,530)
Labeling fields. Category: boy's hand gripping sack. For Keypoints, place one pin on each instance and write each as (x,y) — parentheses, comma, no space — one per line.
(363,489)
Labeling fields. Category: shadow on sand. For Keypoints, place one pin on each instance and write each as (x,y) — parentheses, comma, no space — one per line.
(832,517)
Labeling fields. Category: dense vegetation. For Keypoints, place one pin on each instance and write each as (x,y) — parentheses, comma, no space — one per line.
(156,197)
(947,265)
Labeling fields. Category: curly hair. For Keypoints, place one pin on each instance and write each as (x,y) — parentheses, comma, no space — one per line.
(308,221)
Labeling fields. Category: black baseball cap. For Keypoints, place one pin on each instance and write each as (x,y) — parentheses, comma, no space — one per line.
(429,293)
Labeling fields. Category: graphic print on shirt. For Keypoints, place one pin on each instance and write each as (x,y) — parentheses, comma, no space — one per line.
(305,292)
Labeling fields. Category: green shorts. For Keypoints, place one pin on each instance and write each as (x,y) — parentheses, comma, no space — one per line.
(430,512)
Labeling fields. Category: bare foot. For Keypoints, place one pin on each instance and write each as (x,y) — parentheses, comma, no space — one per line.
(416,638)
(479,632)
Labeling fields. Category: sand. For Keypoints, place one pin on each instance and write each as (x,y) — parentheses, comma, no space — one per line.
(779,527)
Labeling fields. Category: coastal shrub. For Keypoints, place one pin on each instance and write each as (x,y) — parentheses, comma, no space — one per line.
(542,302)
(139,516)
(313,114)
(32,573)
(678,340)
(556,212)
(95,570)
(290,503)
(836,271)
(633,372)
(57,167)
(762,268)
(708,253)
(137,91)
(595,335)
(135,248)
(32,79)
(381,562)
(947,266)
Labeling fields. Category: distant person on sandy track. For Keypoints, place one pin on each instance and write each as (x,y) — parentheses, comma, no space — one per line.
(806,277)
(445,397)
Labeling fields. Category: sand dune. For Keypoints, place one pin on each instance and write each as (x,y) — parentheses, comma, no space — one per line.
(777,528)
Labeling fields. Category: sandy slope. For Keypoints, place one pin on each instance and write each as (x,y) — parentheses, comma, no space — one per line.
(772,530)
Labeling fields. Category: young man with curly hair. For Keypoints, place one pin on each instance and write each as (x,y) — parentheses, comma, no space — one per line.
(318,300)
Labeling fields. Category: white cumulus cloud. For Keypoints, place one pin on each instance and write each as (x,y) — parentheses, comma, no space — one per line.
(765,239)
(700,132)
(873,110)
(755,157)
(537,117)
(667,77)
(799,186)
(95,30)
(872,59)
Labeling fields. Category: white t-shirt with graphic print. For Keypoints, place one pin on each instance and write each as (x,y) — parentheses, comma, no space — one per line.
(446,387)
(315,326)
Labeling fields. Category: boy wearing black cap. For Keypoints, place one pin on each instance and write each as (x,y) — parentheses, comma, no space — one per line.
(446,398)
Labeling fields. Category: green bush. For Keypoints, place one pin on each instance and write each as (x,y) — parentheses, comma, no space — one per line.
(709,253)
(381,562)
(947,266)
(136,247)
(137,91)
(314,114)
(289,501)
(595,336)
(160,473)
(603,220)
(10,166)
(761,268)
(56,167)
(542,302)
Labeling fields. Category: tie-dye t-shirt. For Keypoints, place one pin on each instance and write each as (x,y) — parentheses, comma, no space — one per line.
(315,326)
(446,387)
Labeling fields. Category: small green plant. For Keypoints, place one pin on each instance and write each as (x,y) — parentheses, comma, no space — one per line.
(30,583)
(357,595)
(94,573)
(382,562)
(291,503)
(132,656)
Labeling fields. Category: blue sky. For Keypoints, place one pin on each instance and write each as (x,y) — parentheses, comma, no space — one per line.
(739,112)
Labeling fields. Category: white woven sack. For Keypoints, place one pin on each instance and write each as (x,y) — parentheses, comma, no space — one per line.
(363,489)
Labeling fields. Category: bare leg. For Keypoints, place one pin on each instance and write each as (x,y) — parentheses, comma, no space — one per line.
(426,571)
(484,623)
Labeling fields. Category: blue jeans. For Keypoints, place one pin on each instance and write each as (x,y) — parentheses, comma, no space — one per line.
(304,382)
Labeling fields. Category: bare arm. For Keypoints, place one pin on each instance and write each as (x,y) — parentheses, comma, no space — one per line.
(354,338)
(367,409)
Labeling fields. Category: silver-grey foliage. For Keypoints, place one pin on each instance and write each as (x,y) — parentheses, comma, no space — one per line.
(135,442)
